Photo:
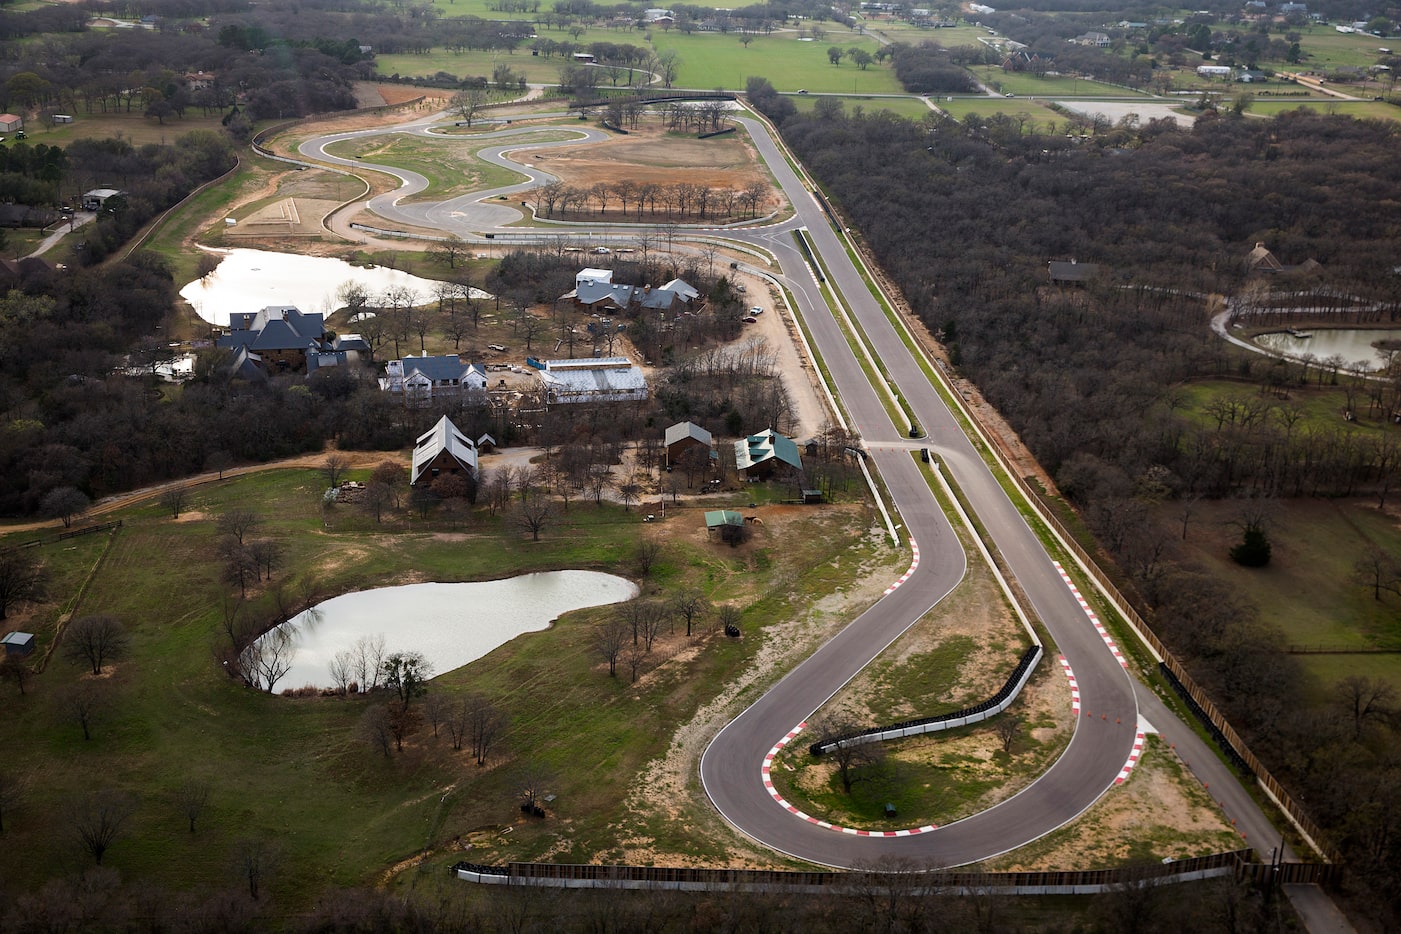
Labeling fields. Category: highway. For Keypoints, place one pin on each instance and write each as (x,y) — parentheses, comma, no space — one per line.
(1112,702)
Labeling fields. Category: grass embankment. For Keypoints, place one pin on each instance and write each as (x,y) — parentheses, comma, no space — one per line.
(292,771)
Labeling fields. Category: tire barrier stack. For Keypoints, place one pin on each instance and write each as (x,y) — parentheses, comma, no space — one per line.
(975,714)
(1222,743)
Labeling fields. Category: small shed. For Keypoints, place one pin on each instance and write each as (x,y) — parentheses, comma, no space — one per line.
(9,123)
(18,643)
(486,444)
(729,523)
(812,496)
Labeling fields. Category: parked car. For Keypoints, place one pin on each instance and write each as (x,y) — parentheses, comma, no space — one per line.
(750,319)
(497,347)
(756,310)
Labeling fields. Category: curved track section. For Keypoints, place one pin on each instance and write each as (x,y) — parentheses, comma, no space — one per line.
(732,766)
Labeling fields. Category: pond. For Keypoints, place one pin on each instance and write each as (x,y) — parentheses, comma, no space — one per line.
(247,280)
(451,624)
(1352,344)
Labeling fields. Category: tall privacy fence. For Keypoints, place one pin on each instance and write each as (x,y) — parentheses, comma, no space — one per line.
(1078,882)
(948,721)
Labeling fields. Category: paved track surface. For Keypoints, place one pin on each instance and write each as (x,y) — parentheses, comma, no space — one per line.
(730,768)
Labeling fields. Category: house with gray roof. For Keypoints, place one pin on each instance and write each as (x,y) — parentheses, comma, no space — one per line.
(443,450)
(280,338)
(592,379)
(761,456)
(595,290)
(421,379)
(687,436)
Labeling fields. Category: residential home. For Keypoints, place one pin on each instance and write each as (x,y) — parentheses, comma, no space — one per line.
(440,451)
(1261,259)
(763,455)
(421,379)
(97,198)
(1097,40)
(592,379)
(595,290)
(687,436)
(284,338)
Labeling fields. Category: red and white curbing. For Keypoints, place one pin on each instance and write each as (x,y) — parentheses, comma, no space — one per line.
(773,793)
(1099,627)
(1074,687)
(1138,742)
(914,563)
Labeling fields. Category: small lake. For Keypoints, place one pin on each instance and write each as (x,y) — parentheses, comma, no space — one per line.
(247,280)
(451,624)
(1352,344)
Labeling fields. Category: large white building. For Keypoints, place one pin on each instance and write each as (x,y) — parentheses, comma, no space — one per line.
(592,379)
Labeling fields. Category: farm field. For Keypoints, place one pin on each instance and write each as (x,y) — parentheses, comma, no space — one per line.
(136,127)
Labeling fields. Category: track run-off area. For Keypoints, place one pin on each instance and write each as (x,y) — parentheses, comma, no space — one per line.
(1113,709)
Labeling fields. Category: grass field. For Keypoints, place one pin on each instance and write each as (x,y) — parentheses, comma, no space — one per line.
(911,107)
(1021,83)
(134,126)
(1361,110)
(293,772)
(720,61)
(1037,116)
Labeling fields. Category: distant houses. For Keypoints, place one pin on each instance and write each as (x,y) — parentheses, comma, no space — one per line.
(594,290)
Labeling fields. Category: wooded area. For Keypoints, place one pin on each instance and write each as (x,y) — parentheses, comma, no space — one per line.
(966,217)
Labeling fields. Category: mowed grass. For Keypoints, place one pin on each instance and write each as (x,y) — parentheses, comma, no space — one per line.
(1012,82)
(1359,110)
(712,60)
(293,771)
(1037,116)
(910,107)
(134,126)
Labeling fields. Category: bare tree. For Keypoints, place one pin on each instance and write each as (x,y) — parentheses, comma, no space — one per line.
(435,710)
(342,668)
(609,639)
(191,798)
(645,555)
(267,659)
(377,497)
(16,669)
(485,723)
(254,860)
(237,523)
(94,641)
(403,721)
(727,617)
(1376,570)
(633,656)
(691,606)
(375,729)
(333,468)
(174,500)
(1007,727)
(98,818)
(218,462)
(854,761)
(533,513)
(66,503)
(1364,699)
(21,578)
(84,705)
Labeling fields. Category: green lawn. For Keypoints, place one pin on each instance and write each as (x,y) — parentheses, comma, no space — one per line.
(911,107)
(720,61)
(1011,82)
(1036,115)
(293,771)
(1362,110)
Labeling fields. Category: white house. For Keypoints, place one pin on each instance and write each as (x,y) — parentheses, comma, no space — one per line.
(1213,71)
(422,378)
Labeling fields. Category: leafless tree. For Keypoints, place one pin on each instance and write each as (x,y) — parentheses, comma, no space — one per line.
(645,555)
(237,523)
(16,669)
(333,468)
(853,761)
(377,496)
(403,721)
(1364,699)
(66,503)
(435,709)
(728,615)
(369,659)
(1376,570)
(1007,727)
(484,723)
(21,578)
(174,500)
(94,641)
(633,656)
(532,514)
(266,660)
(192,797)
(254,859)
(98,818)
(265,553)
(609,639)
(375,729)
(691,606)
(342,668)
(393,476)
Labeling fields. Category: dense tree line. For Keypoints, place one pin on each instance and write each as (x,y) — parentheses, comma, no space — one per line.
(926,68)
(966,220)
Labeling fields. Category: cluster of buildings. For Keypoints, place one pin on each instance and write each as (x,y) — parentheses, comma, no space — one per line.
(282,338)
(595,291)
